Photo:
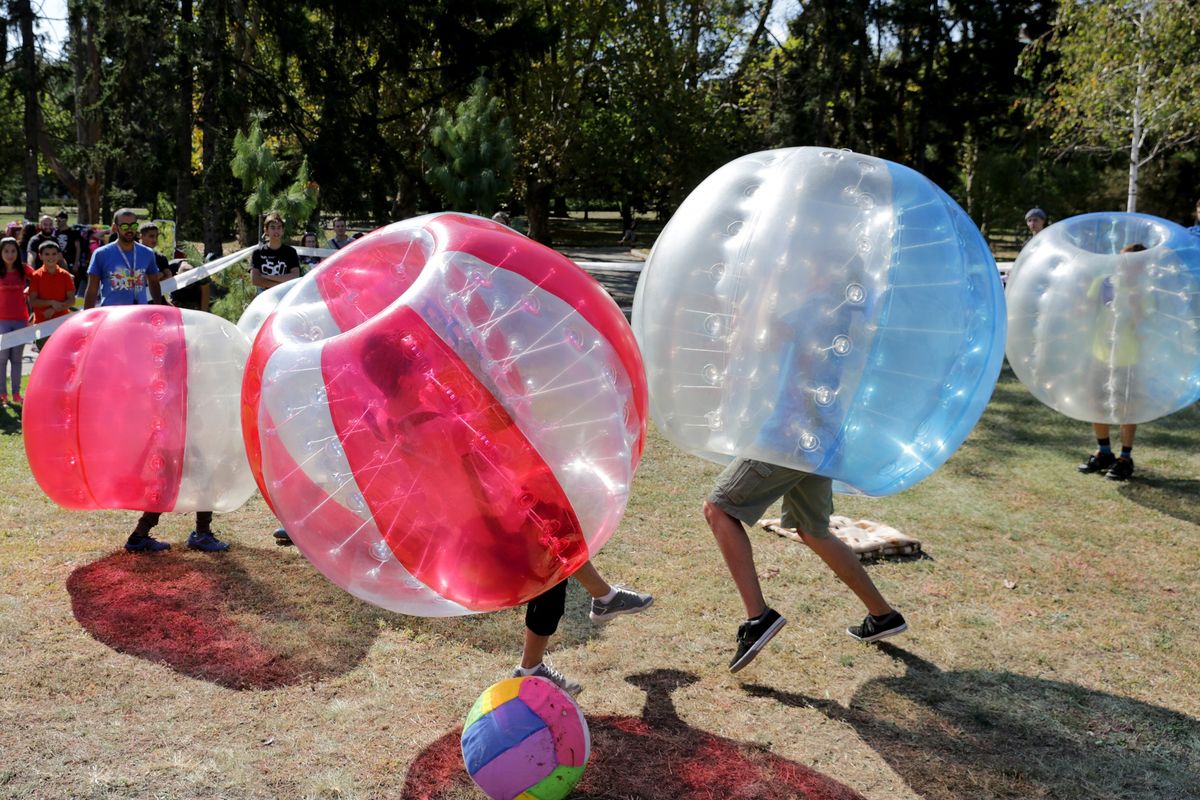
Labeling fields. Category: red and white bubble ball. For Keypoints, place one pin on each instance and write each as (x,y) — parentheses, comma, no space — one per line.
(137,407)
(446,416)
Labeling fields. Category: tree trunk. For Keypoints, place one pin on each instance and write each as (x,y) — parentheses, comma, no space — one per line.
(537,209)
(29,87)
(183,130)
(1135,144)
(85,63)
(214,84)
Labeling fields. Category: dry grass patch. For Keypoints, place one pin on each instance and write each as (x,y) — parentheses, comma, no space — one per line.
(1052,651)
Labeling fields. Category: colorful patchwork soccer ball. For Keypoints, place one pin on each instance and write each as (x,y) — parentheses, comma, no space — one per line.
(525,739)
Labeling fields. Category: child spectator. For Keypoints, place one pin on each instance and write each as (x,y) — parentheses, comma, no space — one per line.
(14,314)
(309,239)
(51,287)
(273,263)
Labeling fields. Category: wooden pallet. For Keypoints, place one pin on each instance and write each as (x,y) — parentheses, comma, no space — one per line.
(870,540)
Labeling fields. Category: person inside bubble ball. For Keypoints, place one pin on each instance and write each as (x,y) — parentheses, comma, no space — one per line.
(742,494)
(1035,220)
(1116,344)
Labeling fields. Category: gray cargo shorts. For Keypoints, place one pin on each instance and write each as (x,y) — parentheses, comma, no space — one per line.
(747,488)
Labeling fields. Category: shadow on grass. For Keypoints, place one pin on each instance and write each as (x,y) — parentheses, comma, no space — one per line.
(1175,497)
(10,421)
(984,734)
(656,755)
(254,618)
(1013,422)
(244,619)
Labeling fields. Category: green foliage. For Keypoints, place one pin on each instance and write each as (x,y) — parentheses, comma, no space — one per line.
(470,154)
(1126,79)
(235,290)
(259,171)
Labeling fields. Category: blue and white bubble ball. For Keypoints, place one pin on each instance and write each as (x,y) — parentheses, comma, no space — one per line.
(1102,335)
(822,310)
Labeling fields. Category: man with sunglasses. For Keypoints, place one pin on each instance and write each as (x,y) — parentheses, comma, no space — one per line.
(123,273)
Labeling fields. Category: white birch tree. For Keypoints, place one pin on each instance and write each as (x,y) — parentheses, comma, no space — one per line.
(1125,79)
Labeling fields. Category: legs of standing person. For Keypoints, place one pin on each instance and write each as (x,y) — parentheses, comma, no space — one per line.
(10,363)
(1103,459)
(1117,468)
(1122,468)
(202,538)
(140,541)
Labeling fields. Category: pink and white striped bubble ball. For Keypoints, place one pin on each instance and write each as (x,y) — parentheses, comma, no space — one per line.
(137,407)
(446,416)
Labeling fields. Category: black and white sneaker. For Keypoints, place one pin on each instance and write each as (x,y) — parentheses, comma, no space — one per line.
(626,601)
(875,628)
(1121,470)
(753,635)
(544,670)
(1097,462)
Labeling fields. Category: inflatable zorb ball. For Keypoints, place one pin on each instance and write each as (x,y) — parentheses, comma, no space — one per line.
(1102,335)
(821,310)
(261,307)
(446,416)
(525,739)
(137,407)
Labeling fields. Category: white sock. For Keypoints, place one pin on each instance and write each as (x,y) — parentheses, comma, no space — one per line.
(527,672)
(608,598)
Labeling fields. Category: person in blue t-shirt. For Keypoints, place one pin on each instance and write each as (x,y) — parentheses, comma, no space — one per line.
(123,273)
(1195,229)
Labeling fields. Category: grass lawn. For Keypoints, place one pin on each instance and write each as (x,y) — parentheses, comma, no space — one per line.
(1052,650)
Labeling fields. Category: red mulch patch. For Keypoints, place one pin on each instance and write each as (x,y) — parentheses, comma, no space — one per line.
(654,756)
(178,609)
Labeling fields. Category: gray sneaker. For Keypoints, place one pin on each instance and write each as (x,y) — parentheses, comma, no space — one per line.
(544,670)
(627,601)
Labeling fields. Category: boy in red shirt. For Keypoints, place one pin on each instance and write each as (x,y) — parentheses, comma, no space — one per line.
(51,288)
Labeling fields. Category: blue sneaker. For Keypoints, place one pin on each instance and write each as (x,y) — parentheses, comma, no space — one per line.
(281,537)
(206,542)
(145,544)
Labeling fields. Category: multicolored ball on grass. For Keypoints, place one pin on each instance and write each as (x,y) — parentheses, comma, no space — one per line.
(525,739)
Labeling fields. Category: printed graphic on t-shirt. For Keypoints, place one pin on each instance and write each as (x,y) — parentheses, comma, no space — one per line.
(271,265)
(123,278)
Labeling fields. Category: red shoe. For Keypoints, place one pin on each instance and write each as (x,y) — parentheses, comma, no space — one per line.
(18,400)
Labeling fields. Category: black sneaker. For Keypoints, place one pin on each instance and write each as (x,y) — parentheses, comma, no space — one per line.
(1097,462)
(875,628)
(1121,470)
(753,635)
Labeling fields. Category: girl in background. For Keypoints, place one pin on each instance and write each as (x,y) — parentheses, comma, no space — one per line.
(14,314)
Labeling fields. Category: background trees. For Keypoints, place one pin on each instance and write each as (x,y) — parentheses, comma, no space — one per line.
(622,104)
